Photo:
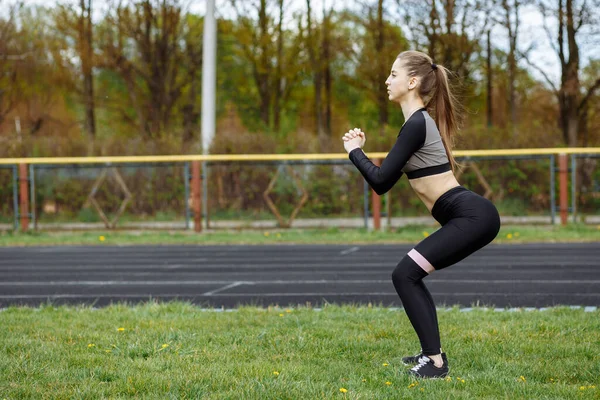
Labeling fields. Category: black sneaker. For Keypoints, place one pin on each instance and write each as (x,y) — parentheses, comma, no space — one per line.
(411,360)
(427,369)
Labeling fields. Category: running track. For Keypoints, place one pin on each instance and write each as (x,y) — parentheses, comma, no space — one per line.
(533,275)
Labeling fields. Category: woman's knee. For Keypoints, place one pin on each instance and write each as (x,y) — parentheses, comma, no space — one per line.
(407,272)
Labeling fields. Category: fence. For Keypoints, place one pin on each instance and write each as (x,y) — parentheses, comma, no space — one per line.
(206,188)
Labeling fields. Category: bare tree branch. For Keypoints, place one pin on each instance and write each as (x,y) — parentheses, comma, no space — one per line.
(540,70)
(588,95)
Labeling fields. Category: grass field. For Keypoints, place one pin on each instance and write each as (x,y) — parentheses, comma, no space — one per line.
(410,234)
(178,351)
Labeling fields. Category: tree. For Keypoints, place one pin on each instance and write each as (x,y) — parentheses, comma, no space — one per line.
(449,30)
(574,17)
(379,44)
(145,43)
(75,26)
(272,52)
(511,23)
(10,58)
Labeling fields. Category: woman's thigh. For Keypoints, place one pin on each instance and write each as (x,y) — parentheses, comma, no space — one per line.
(456,240)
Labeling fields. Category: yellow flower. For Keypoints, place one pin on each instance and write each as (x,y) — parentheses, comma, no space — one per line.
(388,383)
(102,238)
(592,387)
(581,387)
(288,311)
(364,380)
(281,315)
(448,379)
(385,364)
(107,351)
(412,385)
(462,381)
(425,233)
(267,234)
(121,329)
(422,390)
(522,379)
(91,345)
(343,390)
(164,346)
(276,373)
(279,235)
(509,236)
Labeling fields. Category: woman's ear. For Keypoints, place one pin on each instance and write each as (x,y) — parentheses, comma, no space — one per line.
(412,82)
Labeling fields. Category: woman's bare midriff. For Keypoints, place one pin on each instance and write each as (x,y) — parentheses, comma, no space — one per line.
(430,188)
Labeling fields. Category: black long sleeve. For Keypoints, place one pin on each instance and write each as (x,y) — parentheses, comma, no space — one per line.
(410,139)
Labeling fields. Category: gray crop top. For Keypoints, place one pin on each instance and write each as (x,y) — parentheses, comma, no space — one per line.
(418,152)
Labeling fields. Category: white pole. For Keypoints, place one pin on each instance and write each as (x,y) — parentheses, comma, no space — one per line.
(209,76)
(209,89)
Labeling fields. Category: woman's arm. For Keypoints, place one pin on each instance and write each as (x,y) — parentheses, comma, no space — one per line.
(382,179)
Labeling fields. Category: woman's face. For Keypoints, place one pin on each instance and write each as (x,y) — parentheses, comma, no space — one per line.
(399,83)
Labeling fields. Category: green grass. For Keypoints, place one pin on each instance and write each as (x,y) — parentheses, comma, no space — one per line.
(177,351)
(411,234)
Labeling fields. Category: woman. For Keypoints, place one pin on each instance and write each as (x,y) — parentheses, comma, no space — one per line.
(423,151)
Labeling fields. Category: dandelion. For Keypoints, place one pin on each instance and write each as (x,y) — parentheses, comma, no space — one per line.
(343,390)
(281,315)
(276,373)
(412,385)
(448,379)
(91,345)
(121,329)
(462,381)
(592,387)
(288,311)
(581,387)
(102,238)
(107,351)
(267,234)
(164,346)
(522,379)
(385,364)
(422,390)
(388,383)
(509,236)
(425,233)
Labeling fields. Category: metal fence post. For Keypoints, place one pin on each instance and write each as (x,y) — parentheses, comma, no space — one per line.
(552,191)
(204,178)
(16,196)
(563,190)
(196,196)
(24,197)
(32,195)
(186,180)
(574,186)
(366,203)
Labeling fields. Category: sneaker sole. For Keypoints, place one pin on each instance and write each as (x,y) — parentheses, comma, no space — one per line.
(429,377)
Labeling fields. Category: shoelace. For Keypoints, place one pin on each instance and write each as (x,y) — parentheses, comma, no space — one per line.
(422,362)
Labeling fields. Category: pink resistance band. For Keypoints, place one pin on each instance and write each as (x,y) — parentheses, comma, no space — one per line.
(421,261)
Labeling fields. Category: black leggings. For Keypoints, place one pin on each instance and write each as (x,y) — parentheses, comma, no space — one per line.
(469,222)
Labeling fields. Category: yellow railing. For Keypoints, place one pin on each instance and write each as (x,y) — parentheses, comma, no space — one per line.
(280,157)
